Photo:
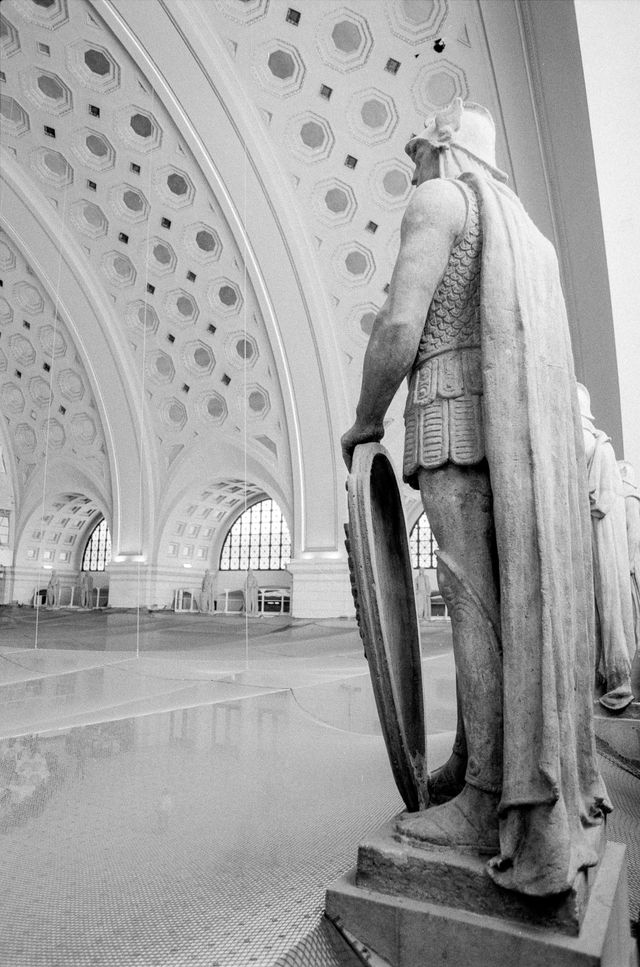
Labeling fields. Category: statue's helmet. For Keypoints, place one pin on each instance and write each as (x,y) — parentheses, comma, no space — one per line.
(466,126)
(584,401)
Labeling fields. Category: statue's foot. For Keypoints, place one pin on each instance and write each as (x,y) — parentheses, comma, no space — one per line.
(468,822)
(618,698)
(447,782)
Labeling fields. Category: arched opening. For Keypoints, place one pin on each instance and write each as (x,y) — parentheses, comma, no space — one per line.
(97,552)
(259,539)
(93,580)
(422,544)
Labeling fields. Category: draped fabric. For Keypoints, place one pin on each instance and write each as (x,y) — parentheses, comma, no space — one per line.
(553,799)
(615,638)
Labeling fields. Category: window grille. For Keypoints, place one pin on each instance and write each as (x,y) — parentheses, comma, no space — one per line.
(422,546)
(259,540)
(4,527)
(97,553)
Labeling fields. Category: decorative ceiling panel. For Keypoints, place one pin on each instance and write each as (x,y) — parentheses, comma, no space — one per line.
(340,89)
(78,114)
(45,395)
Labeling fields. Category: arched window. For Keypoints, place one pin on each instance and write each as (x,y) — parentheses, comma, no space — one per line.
(422,546)
(259,540)
(97,553)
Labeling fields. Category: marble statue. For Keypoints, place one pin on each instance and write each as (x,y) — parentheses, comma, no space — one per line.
(423,595)
(208,596)
(612,588)
(53,590)
(85,587)
(632,511)
(494,444)
(251,593)
(632,508)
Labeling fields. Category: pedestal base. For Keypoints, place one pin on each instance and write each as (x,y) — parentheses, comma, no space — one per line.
(405,932)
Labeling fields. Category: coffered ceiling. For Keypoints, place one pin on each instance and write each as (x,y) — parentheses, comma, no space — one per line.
(150,132)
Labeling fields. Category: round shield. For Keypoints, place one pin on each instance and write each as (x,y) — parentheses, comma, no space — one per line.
(382,583)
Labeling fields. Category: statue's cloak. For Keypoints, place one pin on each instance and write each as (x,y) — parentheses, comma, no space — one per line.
(553,797)
(615,638)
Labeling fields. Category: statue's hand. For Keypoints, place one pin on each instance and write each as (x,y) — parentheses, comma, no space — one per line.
(359,433)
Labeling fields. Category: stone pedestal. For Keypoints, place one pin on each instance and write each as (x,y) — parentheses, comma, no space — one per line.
(620,734)
(415,907)
(321,587)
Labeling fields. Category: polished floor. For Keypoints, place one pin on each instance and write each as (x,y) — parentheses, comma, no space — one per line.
(180,789)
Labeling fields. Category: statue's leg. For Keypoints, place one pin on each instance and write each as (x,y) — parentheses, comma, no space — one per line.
(447,780)
(458,503)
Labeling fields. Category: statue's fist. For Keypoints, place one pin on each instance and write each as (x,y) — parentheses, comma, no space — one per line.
(359,433)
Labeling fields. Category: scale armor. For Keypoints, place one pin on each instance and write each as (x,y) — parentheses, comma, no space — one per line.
(443,415)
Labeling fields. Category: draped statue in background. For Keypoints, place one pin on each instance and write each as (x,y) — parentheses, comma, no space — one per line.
(251,593)
(85,588)
(475,318)
(611,584)
(53,590)
(632,508)
(423,595)
(208,596)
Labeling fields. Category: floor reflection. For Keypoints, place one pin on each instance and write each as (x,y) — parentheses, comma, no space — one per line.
(188,804)
(184,804)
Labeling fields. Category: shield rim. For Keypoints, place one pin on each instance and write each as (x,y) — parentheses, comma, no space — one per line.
(408,764)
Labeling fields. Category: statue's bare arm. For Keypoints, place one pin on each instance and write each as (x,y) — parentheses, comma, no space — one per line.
(432,222)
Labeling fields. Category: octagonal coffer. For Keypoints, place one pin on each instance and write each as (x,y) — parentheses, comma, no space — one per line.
(181,306)
(15,119)
(47,91)
(9,37)
(246,12)
(354,263)
(175,186)
(129,202)
(202,242)
(345,39)
(160,256)
(138,128)
(198,358)
(372,116)
(28,297)
(437,84)
(52,167)
(118,268)
(94,66)
(310,136)
(83,428)
(89,218)
(22,350)
(141,317)
(225,297)
(45,13)
(416,21)
(159,367)
(279,67)
(52,341)
(212,407)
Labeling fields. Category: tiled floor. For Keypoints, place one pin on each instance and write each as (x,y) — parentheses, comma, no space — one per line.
(179,790)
